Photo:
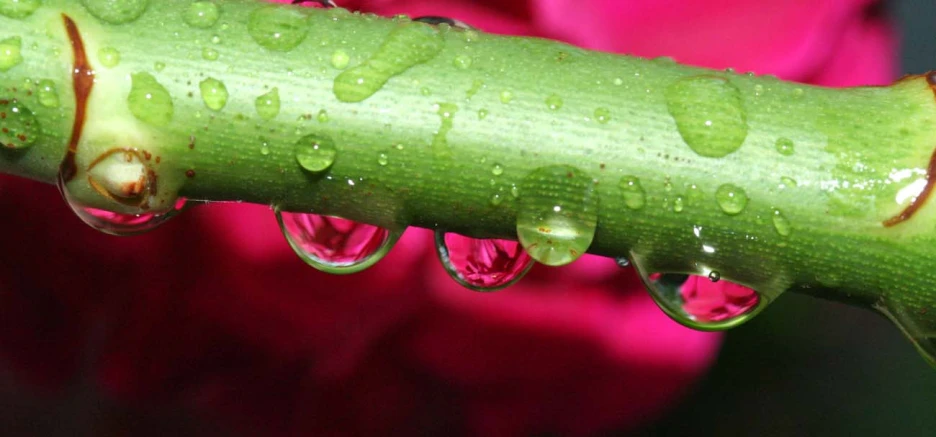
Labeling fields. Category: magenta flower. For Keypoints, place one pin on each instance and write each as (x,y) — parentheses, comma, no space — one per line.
(215,312)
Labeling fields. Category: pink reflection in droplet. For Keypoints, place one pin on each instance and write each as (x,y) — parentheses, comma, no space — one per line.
(483,264)
(709,301)
(119,224)
(333,241)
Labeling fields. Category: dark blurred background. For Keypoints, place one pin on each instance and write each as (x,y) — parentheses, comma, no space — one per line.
(804,367)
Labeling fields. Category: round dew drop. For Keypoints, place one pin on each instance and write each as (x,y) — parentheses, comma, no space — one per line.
(602,115)
(482,264)
(785,146)
(781,224)
(116,11)
(335,245)
(10,53)
(463,62)
(210,54)
(19,8)
(315,153)
(149,101)
(48,94)
(557,214)
(633,192)
(340,59)
(119,224)
(202,15)
(554,102)
(109,57)
(731,198)
(709,114)
(268,105)
(277,28)
(19,127)
(214,93)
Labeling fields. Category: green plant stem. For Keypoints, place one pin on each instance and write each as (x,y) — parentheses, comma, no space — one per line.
(401,162)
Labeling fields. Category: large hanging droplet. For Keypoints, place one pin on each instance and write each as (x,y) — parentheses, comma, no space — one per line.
(335,245)
(116,11)
(19,8)
(700,302)
(11,53)
(482,264)
(408,45)
(149,101)
(557,214)
(18,125)
(709,114)
(119,224)
(202,14)
(278,28)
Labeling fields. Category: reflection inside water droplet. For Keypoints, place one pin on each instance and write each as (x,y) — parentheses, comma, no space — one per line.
(335,245)
(482,264)
(700,302)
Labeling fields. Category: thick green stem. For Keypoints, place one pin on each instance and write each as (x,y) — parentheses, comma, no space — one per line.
(441,128)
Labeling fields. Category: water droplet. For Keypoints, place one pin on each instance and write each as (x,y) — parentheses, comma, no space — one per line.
(758,89)
(731,198)
(554,102)
(278,28)
(557,214)
(785,146)
(482,114)
(497,170)
(622,262)
(603,115)
(315,153)
(408,45)
(19,8)
(202,14)
(787,182)
(383,159)
(18,125)
(618,81)
(119,224)
(159,66)
(679,203)
(116,11)
(440,147)
(463,62)
(709,115)
(10,53)
(701,302)
(323,116)
(506,97)
(497,199)
(214,93)
(482,264)
(268,105)
(215,39)
(634,195)
(48,94)
(797,92)
(149,101)
(109,57)
(781,224)
(335,245)
(210,54)
(340,59)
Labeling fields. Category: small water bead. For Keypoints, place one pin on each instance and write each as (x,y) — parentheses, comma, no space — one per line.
(315,153)
(268,105)
(622,262)
(116,11)
(497,170)
(109,57)
(335,245)
(731,198)
(633,192)
(407,45)
(210,54)
(554,102)
(497,199)
(322,116)
(19,8)
(786,182)
(122,225)
(214,93)
(557,214)
(159,66)
(202,14)
(679,203)
(603,115)
(462,61)
(215,39)
(149,101)
(19,127)
(48,94)
(709,114)
(482,114)
(482,264)
(785,146)
(340,59)
(277,28)
(10,53)
(781,224)
(383,159)
(506,97)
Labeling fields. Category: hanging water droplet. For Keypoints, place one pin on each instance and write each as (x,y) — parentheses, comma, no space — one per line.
(618,81)
(149,101)
(701,302)
(603,115)
(277,28)
(18,125)
(116,11)
(462,61)
(781,224)
(633,192)
(19,8)
(731,198)
(557,214)
(714,276)
(785,146)
(340,59)
(202,14)
(622,262)
(408,45)
(482,264)
(109,57)
(213,93)
(335,245)
(210,54)
(48,94)
(709,114)
(554,102)
(10,53)
(315,153)
(268,105)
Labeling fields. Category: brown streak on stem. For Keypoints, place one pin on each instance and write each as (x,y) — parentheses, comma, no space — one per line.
(920,199)
(82,81)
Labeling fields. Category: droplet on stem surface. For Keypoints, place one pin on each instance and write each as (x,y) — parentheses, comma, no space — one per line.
(731,198)
(557,214)
(116,11)
(277,28)
(202,15)
(315,153)
(48,94)
(633,192)
(18,125)
(19,8)
(709,114)
(214,93)
(10,53)
(335,245)
(149,101)
(482,264)
(268,105)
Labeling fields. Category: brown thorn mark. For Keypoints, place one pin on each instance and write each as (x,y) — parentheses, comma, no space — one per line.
(920,199)
(82,81)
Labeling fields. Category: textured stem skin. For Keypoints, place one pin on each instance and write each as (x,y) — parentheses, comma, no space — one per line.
(400,162)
